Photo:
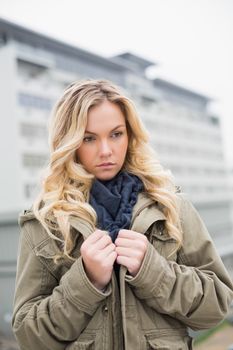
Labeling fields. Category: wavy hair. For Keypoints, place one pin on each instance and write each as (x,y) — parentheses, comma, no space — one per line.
(66,184)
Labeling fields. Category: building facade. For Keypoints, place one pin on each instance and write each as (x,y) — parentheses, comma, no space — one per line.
(34,70)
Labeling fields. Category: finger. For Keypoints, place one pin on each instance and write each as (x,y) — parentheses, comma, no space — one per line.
(137,244)
(126,261)
(123,242)
(95,236)
(130,243)
(129,252)
(102,242)
(108,250)
(100,255)
(106,259)
(129,234)
(112,257)
(90,241)
(124,251)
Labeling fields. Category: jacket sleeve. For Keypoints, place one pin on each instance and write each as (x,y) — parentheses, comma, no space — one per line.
(197,289)
(49,314)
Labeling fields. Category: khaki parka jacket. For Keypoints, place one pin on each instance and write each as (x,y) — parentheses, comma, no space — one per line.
(56,307)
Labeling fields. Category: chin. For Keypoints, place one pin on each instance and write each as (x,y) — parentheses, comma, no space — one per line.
(106,176)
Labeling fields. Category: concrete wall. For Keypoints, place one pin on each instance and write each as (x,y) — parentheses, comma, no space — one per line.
(9,234)
(10,183)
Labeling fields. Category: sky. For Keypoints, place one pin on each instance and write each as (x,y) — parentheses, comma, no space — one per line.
(191,41)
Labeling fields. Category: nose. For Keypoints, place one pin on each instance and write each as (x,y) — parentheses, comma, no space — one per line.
(105,149)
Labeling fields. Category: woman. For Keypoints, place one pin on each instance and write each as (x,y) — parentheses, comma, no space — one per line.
(112,256)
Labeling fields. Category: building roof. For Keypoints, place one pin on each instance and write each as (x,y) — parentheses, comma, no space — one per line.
(135,59)
(177,89)
(9,30)
(133,62)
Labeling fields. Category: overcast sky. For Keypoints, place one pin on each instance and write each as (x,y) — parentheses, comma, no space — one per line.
(190,40)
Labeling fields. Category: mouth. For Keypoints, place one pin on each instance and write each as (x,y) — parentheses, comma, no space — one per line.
(107,164)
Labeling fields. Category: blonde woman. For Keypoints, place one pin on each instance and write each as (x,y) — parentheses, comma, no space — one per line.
(111,256)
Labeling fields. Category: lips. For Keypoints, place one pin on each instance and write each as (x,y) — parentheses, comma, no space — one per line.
(105,164)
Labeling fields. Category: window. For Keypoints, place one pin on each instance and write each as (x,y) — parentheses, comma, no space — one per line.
(34,160)
(30,69)
(214,120)
(29,190)
(33,130)
(32,101)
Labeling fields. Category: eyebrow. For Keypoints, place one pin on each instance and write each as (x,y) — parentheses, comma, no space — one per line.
(93,133)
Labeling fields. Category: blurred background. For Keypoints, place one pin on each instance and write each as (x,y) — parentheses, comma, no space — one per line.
(172,57)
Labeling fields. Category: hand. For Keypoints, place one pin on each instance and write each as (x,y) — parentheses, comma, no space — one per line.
(131,247)
(98,253)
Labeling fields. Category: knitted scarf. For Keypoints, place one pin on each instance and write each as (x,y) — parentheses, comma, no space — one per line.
(113,201)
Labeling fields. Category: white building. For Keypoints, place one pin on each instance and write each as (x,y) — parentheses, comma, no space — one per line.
(194,153)
(188,141)
(34,70)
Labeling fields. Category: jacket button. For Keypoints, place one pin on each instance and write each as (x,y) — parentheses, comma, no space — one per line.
(105,308)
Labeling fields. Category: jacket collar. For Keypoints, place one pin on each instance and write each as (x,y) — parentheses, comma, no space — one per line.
(145,213)
(81,226)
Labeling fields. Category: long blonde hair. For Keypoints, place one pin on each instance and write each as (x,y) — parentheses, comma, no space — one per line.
(66,184)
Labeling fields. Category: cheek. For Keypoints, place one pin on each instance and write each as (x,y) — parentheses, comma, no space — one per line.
(85,155)
(122,149)
(125,145)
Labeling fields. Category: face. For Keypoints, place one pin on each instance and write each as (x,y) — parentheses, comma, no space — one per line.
(104,146)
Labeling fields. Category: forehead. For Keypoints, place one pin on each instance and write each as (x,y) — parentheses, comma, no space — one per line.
(105,116)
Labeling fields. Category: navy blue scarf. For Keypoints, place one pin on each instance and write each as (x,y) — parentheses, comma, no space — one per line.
(113,201)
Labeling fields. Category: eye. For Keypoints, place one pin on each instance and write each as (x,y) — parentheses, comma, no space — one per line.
(88,139)
(117,134)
